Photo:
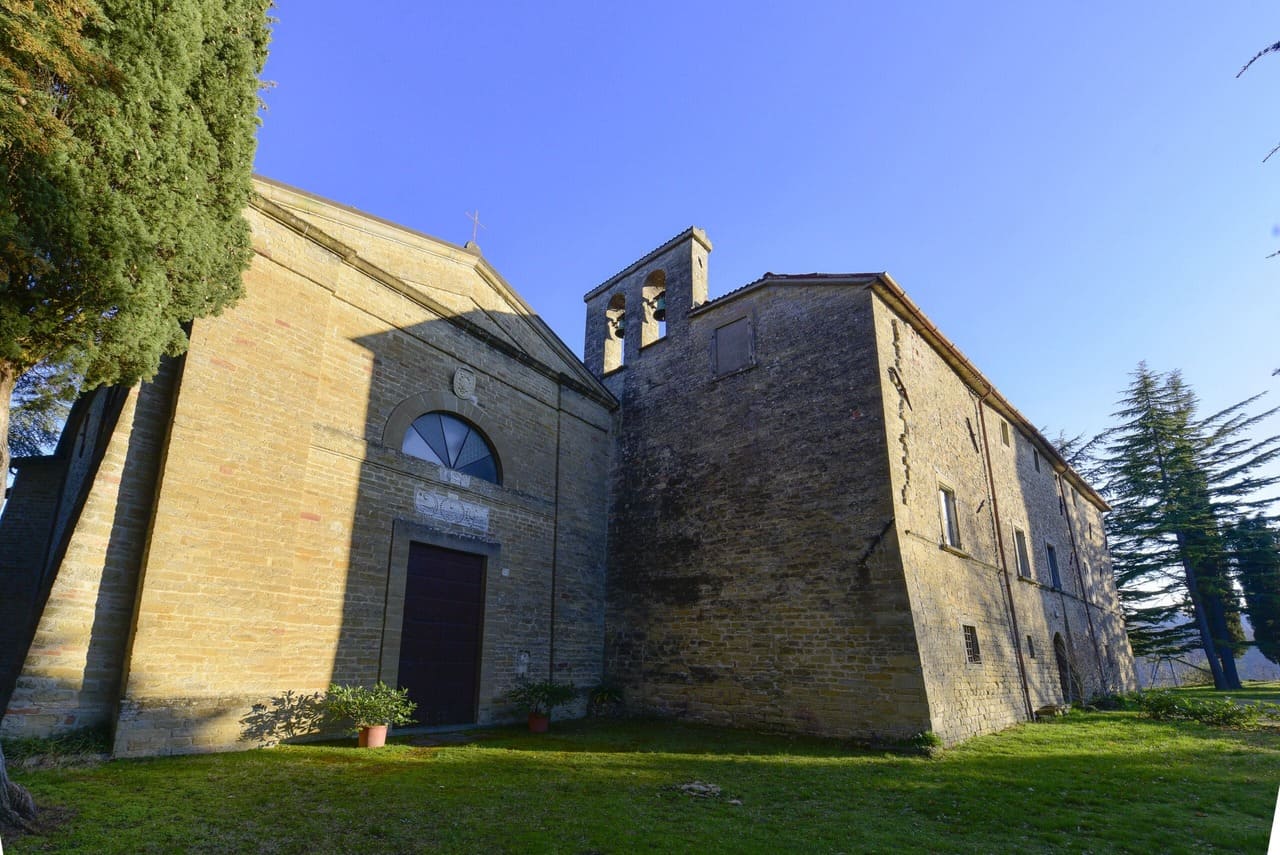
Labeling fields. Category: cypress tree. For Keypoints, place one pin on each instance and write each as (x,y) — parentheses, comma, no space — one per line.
(126,141)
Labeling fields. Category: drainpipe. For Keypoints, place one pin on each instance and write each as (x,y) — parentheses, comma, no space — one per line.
(1004,560)
(1084,593)
(555,538)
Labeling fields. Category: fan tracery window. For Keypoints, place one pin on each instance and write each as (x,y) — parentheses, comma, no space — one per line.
(445,439)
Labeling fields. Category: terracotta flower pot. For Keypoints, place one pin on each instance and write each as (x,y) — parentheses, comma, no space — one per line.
(538,723)
(373,736)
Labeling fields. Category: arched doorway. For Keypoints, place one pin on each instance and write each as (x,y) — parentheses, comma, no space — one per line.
(1066,673)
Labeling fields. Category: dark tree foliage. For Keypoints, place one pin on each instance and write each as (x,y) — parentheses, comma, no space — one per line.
(41,401)
(122,218)
(126,151)
(1256,546)
(1176,481)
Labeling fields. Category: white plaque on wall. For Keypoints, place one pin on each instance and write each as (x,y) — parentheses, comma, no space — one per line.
(449,508)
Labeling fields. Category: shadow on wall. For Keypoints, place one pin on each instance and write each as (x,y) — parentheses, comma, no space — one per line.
(368,510)
(93,499)
(285,718)
(456,544)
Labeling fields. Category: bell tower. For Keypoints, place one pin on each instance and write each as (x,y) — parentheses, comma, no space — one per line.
(645,303)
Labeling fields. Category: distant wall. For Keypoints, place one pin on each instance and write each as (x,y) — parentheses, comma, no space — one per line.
(945,437)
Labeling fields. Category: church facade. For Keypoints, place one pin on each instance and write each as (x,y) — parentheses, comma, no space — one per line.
(796,506)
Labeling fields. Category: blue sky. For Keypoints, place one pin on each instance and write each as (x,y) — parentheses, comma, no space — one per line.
(1065,189)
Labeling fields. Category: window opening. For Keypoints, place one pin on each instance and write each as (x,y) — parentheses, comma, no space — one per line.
(615,332)
(447,440)
(1004,432)
(654,295)
(1035,458)
(1031,648)
(950,518)
(1052,555)
(1020,550)
(971,650)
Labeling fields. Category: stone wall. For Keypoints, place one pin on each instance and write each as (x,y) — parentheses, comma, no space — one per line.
(948,435)
(753,571)
(70,676)
(277,555)
(268,570)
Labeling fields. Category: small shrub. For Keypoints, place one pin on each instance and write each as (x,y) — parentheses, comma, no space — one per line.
(1163,705)
(1111,702)
(926,741)
(84,742)
(365,707)
(604,699)
(540,696)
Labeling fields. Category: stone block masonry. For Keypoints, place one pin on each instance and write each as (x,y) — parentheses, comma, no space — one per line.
(811,527)
(269,554)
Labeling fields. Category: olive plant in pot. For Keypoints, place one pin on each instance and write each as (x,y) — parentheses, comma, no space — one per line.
(370,711)
(538,698)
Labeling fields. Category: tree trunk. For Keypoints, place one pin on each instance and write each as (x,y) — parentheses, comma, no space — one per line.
(16,807)
(1222,641)
(8,379)
(1202,620)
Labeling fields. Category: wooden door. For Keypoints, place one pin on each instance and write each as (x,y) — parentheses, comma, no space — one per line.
(441,634)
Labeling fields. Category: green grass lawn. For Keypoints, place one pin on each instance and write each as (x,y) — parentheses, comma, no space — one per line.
(1254,690)
(1089,782)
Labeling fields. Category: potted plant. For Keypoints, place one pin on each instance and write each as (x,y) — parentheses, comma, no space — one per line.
(370,711)
(604,700)
(538,698)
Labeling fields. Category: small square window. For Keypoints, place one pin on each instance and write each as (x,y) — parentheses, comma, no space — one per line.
(1031,648)
(971,650)
(1004,432)
(950,518)
(1020,549)
(1052,555)
(733,347)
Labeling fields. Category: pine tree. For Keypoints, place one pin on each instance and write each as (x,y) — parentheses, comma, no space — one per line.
(1256,547)
(1175,482)
(126,150)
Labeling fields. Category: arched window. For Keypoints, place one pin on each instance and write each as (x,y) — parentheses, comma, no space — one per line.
(448,440)
(615,333)
(654,293)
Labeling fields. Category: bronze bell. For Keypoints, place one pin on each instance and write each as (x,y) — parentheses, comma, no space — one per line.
(660,307)
(620,325)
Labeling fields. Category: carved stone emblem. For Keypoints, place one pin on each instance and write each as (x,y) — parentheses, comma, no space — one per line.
(464,385)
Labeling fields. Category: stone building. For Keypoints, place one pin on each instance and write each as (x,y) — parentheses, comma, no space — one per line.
(380,463)
(823,518)
(796,506)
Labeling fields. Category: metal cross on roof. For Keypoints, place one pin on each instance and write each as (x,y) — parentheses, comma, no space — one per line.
(476,225)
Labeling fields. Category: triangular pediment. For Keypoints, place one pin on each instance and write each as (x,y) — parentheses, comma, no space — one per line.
(454,281)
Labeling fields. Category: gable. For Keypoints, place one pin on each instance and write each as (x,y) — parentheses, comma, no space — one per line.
(454,282)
